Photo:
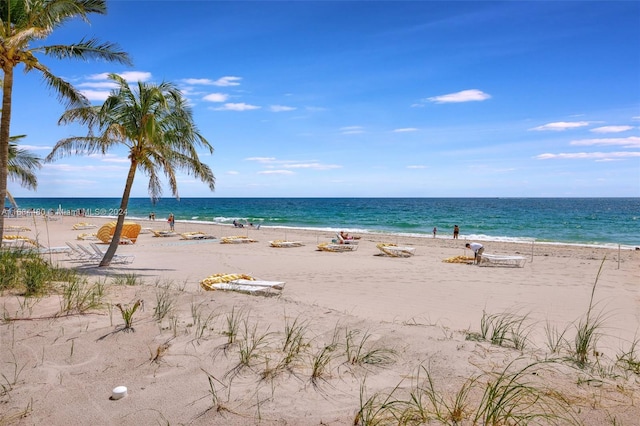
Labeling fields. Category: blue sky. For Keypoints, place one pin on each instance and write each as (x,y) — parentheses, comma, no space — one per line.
(368,99)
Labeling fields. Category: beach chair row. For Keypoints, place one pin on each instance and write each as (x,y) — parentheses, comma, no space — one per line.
(94,254)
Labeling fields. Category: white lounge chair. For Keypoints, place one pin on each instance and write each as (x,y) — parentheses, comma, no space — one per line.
(117,258)
(502,260)
(76,253)
(91,256)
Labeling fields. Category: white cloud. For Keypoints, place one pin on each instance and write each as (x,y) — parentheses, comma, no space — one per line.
(227,81)
(281,108)
(101,81)
(233,172)
(135,76)
(463,96)
(351,130)
(117,160)
(416,167)
(96,95)
(588,155)
(101,76)
(129,76)
(261,159)
(611,129)
(313,166)
(198,81)
(61,167)
(221,82)
(288,164)
(630,142)
(237,107)
(36,148)
(99,85)
(560,126)
(276,172)
(216,97)
(405,130)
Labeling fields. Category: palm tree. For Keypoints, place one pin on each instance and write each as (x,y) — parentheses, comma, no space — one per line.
(155,125)
(22,24)
(22,166)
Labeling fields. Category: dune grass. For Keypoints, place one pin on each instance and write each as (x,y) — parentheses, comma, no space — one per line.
(510,396)
(165,302)
(127,279)
(358,352)
(588,329)
(505,329)
(80,296)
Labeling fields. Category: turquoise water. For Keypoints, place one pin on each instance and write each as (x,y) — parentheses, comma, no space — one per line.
(593,221)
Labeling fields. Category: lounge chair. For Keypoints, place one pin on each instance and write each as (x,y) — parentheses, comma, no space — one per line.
(84,225)
(164,233)
(393,250)
(285,244)
(84,254)
(53,250)
(342,240)
(75,253)
(242,283)
(19,241)
(237,239)
(502,260)
(117,258)
(129,234)
(196,235)
(338,248)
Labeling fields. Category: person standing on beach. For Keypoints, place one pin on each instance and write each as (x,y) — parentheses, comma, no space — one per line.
(456,231)
(172,221)
(434,231)
(477,249)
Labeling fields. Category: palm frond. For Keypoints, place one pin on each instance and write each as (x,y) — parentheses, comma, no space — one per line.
(87,49)
(65,91)
(22,165)
(80,145)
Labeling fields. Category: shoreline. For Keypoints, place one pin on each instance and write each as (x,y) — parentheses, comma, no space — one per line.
(594,221)
(381,233)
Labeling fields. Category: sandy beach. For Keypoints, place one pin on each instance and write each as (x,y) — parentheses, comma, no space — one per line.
(366,329)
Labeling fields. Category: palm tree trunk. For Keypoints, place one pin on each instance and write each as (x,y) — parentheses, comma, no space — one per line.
(5,121)
(111,251)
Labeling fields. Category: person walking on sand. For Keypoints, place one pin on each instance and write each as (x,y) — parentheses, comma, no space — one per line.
(456,231)
(477,249)
(172,221)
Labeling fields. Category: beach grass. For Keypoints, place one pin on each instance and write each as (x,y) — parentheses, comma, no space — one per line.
(588,328)
(507,397)
(359,352)
(164,303)
(629,359)
(80,296)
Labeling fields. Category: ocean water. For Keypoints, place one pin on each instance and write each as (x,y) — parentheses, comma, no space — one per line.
(585,221)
